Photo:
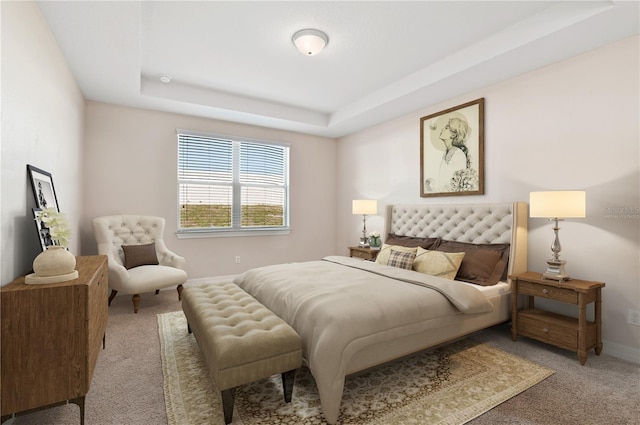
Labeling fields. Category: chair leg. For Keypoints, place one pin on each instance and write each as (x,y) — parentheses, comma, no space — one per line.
(112,296)
(136,302)
(179,292)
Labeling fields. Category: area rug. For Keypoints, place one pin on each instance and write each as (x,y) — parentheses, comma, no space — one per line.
(447,385)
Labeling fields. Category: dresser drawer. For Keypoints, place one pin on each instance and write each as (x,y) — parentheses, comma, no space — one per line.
(548,330)
(546,291)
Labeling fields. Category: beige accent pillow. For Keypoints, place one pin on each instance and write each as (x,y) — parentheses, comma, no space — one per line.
(438,263)
(385,252)
(140,255)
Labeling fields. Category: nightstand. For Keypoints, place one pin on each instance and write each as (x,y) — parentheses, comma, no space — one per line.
(364,253)
(575,334)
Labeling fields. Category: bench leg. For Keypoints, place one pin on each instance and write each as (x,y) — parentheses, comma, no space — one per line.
(287,384)
(228,398)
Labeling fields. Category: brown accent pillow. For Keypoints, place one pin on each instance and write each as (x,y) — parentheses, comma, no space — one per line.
(401,260)
(140,255)
(483,264)
(411,242)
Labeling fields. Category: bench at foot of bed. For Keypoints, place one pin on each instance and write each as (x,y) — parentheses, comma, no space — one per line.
(240,339)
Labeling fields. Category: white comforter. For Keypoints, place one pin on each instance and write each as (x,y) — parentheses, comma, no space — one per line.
(340,305)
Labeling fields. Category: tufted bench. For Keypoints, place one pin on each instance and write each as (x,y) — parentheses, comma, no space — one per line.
(240,339)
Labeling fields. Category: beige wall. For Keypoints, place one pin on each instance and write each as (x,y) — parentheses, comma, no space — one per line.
(572,125)
(42,125)
(130,167)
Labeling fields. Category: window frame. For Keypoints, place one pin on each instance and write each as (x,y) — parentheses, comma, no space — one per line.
(236,228)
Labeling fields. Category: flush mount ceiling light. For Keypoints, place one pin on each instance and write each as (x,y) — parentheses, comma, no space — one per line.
(310,42)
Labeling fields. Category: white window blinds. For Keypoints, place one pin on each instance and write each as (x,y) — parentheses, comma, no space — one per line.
(227,184)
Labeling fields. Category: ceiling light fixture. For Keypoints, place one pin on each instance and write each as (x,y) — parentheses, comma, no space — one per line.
(165,78)
(310,42)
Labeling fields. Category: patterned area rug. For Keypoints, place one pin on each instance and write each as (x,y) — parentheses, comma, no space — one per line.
(448,385)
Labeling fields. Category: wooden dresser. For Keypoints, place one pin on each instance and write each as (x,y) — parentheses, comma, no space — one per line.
(51,337)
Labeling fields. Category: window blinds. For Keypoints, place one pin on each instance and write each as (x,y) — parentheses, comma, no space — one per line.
(228,184)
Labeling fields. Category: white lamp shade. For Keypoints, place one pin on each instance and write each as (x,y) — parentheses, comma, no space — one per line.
(558,204)
(365,206)
(310,42)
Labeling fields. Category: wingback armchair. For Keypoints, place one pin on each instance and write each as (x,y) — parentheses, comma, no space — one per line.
(138,259)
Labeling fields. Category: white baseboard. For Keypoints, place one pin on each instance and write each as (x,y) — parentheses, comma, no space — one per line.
(621,351)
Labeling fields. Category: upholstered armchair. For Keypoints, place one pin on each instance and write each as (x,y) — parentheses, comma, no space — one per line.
(139,261)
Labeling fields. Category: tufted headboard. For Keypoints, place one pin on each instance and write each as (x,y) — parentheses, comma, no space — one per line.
(473,223)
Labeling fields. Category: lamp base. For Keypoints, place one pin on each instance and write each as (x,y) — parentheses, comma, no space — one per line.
(555,270)
(364,243)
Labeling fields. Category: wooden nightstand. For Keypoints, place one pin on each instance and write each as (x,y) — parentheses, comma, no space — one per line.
(364,253)
(570,333)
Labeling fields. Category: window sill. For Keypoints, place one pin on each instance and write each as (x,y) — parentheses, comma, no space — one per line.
(232,233)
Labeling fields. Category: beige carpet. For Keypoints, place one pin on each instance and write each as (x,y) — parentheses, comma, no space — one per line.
(449,385)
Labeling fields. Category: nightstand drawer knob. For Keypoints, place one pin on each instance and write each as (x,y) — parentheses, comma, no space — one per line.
(545,330)
(545,291)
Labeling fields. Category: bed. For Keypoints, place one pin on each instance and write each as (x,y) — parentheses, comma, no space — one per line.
(353,314)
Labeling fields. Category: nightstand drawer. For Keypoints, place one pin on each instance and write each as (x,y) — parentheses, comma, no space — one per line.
(361,254)
(548,330)
(545,291)
(364,253)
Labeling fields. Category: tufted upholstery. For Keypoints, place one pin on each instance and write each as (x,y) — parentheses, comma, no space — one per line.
(240,339)
(476,223)
(113,231)
(497,223)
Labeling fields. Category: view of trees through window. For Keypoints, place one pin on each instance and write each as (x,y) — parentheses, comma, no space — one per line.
(228,184)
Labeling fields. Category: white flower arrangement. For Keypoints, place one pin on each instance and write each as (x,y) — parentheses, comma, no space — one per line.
(58,226)
(374,234)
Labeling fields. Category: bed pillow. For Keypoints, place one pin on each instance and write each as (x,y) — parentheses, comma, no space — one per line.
(438,263)
(483,264)
(385,252)
(410,241)
(401,260)
(140,255)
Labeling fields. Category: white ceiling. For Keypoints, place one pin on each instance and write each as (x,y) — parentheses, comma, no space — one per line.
(235,61)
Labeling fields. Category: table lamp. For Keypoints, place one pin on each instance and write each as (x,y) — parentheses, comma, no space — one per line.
(556,206)
(364,207)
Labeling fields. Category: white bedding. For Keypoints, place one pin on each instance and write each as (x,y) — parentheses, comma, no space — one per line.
(491,291)
(341,326)
(341,305)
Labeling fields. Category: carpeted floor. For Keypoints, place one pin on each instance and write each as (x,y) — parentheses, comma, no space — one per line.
(127,386)
(449,385)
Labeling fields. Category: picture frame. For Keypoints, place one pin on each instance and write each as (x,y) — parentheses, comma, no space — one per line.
(44,192)
(43,231)
(452,151)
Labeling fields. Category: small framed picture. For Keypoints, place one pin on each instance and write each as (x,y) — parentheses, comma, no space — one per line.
(43,190)
(452,151)
(43,231)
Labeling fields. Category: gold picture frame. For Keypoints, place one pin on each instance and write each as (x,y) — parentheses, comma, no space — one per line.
(452,151)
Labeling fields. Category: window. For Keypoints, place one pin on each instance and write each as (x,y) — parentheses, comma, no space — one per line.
(231,187)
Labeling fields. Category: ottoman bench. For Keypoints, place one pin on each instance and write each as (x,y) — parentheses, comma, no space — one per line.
(240,339)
